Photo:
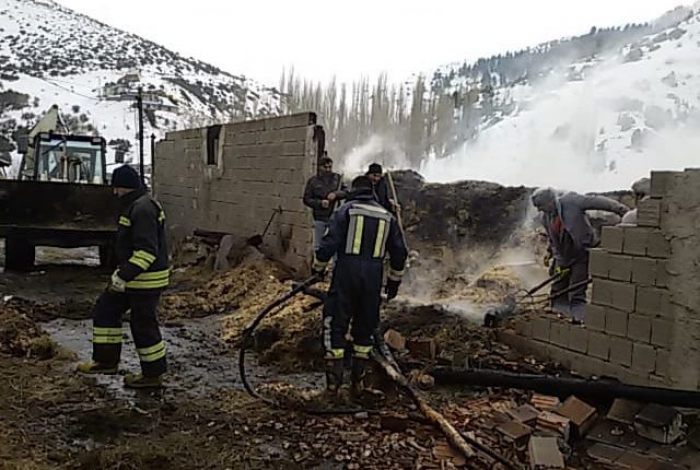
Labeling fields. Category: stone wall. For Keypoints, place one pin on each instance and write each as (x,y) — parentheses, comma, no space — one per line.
(256,168)
(643,323)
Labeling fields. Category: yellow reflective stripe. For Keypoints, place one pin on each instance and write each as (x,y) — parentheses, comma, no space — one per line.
(124,221)
(357,240)
(395,275)
(153,275)
(379,242)
(139,262)
(144,255)
(147,284)
(154,355)
(319,264)
(335,353)
(107,339)
(161,216)
(361,351)
(151,349)
(100,331)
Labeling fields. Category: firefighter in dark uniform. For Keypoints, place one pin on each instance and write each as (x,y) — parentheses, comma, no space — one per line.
(361,233)
(136,285)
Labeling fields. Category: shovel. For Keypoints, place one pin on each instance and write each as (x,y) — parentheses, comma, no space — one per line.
(257,239)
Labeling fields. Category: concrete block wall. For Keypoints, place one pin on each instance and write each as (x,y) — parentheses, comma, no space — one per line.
(642,325)
(261,166)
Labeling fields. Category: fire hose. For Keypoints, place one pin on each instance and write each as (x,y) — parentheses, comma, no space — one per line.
(382,354)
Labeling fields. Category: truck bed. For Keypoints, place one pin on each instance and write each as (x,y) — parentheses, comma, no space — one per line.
(61,208)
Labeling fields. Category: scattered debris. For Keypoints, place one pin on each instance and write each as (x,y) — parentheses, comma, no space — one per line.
(545,402)
(658,423)
(395,340)
(544,453)
(624,411)
(581,414)
(422,347)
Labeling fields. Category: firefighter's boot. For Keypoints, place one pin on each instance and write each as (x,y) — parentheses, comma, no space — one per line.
(97,368)
(141,381)
(358,389)
(334,376)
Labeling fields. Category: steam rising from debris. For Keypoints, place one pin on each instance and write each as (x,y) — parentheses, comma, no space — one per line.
(376,149)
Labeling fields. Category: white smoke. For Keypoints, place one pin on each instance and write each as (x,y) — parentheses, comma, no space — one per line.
(377,149)
(570,134)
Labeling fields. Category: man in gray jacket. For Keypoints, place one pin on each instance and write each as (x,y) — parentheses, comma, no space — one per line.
(563,215)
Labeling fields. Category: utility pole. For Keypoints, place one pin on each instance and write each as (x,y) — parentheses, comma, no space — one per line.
(139,105)
(153,160)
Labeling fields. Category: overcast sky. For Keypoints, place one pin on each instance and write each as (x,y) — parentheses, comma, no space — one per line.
(349,38)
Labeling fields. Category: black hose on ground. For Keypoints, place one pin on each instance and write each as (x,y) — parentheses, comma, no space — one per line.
(246,339)
(566,386)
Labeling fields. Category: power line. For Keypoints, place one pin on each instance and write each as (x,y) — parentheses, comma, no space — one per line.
(69,90)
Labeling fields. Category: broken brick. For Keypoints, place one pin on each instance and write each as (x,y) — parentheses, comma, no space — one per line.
(514,431)
(581,414)
(659,423)
(544,453)
(525,414)
(395,340)
(605,454)
(624,411)
(554,424)
(545,402)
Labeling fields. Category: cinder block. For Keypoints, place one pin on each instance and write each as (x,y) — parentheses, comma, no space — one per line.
(616,322)
(598,345)
(620,268)
(649,213)
(595,317)
(661,332)
(661,273)
(644,271)
(621,351)
(643,358)
(578,339)
(599,263)
(636,240)
(589,366)
(602,292)
(639,328)
(541,328)
(658,246)
(660,180)
(523,327)
(653,301)
(559,334)
(663,359)
(623,296)
(612,239)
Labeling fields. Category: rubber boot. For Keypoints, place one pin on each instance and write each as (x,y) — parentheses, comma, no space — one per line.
(97,368)
(358,390)
(139,381)
(334,375)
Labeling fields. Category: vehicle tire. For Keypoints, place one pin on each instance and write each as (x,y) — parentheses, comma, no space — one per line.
(19,254)
(107,258)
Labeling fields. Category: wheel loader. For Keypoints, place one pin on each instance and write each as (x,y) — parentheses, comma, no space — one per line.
(61,196)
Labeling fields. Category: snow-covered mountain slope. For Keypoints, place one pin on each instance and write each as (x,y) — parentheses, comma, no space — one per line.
(597,124)
(52,55)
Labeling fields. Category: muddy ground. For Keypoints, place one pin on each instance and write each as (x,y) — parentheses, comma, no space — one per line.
(51,417)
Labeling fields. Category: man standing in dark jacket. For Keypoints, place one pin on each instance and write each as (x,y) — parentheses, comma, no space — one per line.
(321,194)
(136,285)
(570,235)
(361,233)
(381,188)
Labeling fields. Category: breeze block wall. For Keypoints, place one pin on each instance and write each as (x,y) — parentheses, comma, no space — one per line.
(259,166)
(643,323)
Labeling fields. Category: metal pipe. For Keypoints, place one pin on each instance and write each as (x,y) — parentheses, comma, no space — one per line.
(139,105)
(566,386)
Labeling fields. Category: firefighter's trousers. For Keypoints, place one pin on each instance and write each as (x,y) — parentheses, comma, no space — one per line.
(107,330)
(355,296)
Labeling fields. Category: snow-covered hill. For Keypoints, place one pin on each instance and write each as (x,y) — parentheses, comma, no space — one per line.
(596,124)
(52,55)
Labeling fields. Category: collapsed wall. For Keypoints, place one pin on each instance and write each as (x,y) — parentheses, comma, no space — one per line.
(643,323)
(232,178)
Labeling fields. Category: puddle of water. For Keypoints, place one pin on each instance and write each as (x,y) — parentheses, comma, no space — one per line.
(198,361)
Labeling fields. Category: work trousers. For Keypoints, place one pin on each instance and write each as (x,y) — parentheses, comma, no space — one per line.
(354,298)
(573,303)
(107,330)
(320,228)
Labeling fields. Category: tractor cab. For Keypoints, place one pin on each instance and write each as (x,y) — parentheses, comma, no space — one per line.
(65,158)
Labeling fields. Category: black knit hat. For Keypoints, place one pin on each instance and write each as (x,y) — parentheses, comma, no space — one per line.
(126,177)
(375,169)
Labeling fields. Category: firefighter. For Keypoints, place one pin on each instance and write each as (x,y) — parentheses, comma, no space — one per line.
(142,274)
(360,233)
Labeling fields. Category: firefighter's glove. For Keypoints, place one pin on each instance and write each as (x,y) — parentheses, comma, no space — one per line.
(319,273)
(392,289)
(116,284)
(563,272)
